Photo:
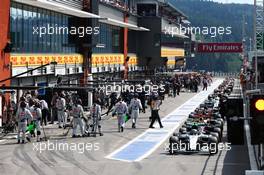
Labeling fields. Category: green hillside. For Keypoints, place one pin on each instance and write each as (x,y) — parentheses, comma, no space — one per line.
(210,14)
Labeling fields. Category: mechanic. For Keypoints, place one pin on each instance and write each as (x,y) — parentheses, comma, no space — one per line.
(78,114)
(142,98)
(113,100)
(120,110)
(135,106)
(61,107)
(37,115)
(22,115)
(155,106)
(96,117)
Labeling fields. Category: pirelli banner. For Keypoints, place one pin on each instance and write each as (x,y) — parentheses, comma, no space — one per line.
(21,60)
(172,52)
(99,60)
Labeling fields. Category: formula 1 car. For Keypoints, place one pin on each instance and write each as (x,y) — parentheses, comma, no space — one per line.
(193,141)
(207,128)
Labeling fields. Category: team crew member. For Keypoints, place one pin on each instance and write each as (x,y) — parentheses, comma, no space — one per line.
(37,115)
(54,111)
(22,116)
(96,117)
(135,106)
(113,100)
(61,107)
(142,98)
(155,106)
(205,83)
(45,111)
(78,114)
(120,110)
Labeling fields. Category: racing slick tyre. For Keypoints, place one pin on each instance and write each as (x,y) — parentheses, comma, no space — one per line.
(216,135)
(213,145)
(173,140)
(219,131)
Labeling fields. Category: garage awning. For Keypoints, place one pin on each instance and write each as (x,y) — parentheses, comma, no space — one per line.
(122,24)
(58,8)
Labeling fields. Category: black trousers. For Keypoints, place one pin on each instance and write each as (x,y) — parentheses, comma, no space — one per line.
(54,116)
(155,116)
(45,115)
(143,101)
(174,92)
(205,87)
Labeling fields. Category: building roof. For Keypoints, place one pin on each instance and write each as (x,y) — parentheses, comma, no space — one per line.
(50,5)
(172,9)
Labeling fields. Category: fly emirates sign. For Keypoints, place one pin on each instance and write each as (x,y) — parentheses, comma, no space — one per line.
(220,47)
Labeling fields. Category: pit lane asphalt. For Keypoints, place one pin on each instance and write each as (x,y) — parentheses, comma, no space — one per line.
(23,160)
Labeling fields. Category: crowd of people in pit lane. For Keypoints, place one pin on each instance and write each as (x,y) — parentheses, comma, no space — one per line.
(32,110)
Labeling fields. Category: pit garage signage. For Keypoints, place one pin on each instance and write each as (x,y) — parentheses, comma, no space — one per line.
(112,59)
(172,52)
(22,60)
(107,59)
(220,47)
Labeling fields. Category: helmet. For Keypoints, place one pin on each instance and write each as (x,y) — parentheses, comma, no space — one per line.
(193,131)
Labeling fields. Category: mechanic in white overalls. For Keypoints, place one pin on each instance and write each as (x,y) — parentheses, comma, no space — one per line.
(120,110)
(23,115)
(61,107)
(78,114)
(37,115)
(96,117)
(135,106)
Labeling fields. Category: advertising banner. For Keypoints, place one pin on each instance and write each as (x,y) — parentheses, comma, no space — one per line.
(220,47)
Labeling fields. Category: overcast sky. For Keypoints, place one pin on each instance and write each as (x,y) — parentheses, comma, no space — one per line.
(236,1)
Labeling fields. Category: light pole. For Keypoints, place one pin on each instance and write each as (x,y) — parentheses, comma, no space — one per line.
(250,44)
(244,23)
